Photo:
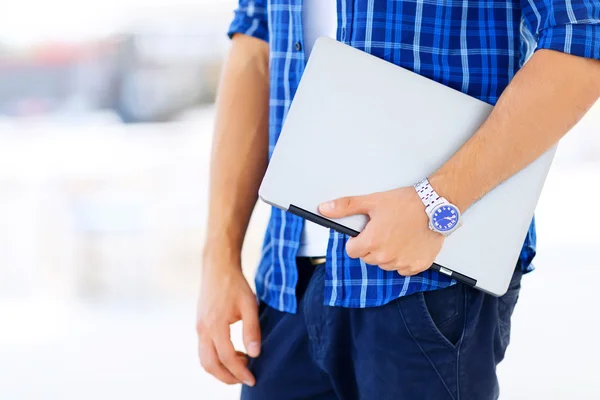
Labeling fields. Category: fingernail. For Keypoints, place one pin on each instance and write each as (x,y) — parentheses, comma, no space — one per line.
(253,349)
(329,206)
(248,383)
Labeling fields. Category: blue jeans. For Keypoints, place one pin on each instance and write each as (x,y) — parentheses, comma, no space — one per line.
(443,344)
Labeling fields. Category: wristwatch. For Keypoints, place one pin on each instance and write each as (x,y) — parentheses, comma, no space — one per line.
(444,217)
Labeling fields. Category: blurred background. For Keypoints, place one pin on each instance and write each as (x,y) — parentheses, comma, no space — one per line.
(105,129)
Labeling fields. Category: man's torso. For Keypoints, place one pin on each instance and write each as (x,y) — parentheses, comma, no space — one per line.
(474,47)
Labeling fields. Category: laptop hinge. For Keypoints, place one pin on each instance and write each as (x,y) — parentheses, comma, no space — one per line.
(453,274)
(317,219)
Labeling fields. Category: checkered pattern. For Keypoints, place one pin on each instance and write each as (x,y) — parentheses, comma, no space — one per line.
(475,46)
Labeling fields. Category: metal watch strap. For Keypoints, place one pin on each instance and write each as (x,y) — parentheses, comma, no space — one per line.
(427,194)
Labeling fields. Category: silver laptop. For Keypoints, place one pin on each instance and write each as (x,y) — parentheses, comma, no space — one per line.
(360,125)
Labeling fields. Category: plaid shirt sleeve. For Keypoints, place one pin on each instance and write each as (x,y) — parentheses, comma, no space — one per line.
(569,26)
(250,19)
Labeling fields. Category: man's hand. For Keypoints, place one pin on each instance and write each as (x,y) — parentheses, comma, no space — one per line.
(225,298)
(239,160)
(397,236)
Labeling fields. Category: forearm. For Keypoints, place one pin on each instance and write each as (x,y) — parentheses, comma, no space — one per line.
(240,146)
(542,103)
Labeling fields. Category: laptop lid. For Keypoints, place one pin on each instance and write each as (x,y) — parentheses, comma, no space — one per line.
(360,125)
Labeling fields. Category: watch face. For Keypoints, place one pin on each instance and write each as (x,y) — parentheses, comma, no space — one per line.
(445,217)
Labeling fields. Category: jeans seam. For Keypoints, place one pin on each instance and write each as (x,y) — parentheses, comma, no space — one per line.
(462,339)
(313,329)
(424,353)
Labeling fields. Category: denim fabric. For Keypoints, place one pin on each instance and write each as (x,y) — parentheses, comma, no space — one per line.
(442,344)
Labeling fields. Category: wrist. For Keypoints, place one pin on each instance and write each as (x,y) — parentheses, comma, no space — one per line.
(449,188)
(444,216)
(221,256)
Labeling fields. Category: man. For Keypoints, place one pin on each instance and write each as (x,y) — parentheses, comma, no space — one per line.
(374,322)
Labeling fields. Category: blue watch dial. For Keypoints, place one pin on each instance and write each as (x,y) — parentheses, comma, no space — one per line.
(445,217)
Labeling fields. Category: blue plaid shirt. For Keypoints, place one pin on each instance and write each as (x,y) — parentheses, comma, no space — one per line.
(475,46)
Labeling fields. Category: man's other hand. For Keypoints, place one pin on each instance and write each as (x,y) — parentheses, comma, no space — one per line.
(397,236)
(225,298)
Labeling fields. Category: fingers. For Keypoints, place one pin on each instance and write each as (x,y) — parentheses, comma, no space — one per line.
(379,258)
(366,247)
(211,363)
(405,269)
(346,206)
(243,357)
(251,328)
(227,365)
(229,358)
(226,300)
(360,246)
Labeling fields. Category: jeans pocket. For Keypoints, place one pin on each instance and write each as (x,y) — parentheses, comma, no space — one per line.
(436,317)
(446,310)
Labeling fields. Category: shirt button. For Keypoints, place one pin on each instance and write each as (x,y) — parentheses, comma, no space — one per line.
(298,46)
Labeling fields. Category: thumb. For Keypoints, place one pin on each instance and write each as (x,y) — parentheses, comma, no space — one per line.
(251,328)
(345,206)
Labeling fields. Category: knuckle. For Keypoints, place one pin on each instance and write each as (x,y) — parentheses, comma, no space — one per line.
(227,358)
(347,202)
(369,248)
(250,306)
(209,366)
(207,362)
(200,328)
(205,332)
(389,267)
(423,266)
(370,242)
(207,319)
(377,259)
(414,270)
(369,260)
(215,319)
(403,270)
(385,257)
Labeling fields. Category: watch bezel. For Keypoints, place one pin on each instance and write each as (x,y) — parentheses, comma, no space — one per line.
(442,203)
